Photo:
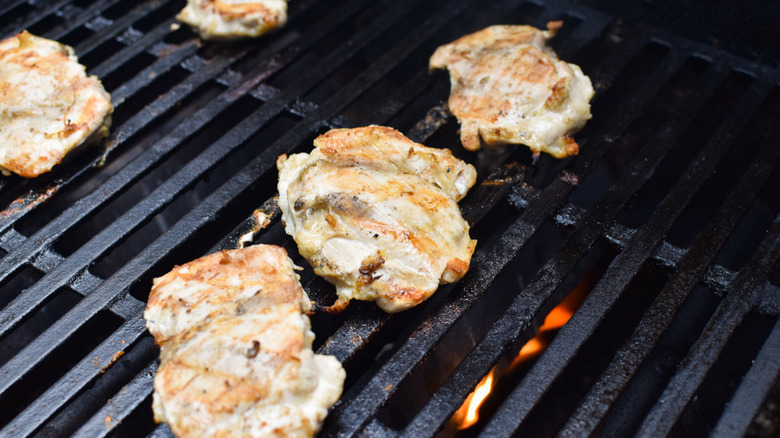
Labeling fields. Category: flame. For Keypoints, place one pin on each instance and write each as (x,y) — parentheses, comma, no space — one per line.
(475,399)
(531,348)
(558,316)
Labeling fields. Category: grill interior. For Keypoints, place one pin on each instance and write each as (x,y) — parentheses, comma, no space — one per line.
(667,220)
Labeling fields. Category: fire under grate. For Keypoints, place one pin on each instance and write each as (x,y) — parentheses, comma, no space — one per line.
(665,217)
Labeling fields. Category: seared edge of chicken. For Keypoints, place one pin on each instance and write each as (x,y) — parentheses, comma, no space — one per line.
(236,357)
(48,105)
(376,214)
(509,87)
(231,19)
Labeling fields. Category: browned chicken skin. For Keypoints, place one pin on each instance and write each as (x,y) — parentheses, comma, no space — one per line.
(376,214)
(236,357)
(231,19)
(48,105)
(509,87)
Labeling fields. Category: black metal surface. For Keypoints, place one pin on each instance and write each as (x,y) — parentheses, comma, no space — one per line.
(690,268)
(751,394)
(664,180)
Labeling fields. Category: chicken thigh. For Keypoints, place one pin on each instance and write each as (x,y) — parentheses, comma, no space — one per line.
(509,87)
(376,214)
(48,104)
(236,357)
(231,19)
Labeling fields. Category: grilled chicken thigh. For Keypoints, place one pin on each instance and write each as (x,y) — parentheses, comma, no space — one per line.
(48,105)
(230,19)
(377,215)
(236,357)
(509,87)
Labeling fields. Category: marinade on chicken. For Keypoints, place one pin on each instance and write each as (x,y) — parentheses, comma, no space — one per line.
(231,19)
(376,214)
(509,87)
(48,105)
(235,349)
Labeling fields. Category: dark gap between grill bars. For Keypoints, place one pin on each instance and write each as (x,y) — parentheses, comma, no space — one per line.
(556,406)
(701,415)
(46,372)
(510,369)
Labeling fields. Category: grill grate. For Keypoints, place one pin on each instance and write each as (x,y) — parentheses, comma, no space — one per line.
(662,190)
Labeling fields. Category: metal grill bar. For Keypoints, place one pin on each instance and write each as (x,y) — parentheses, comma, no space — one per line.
(445,402)
(83,284)
(753,390)
(117,26)
(105,420)
(705,352)
(690,269)
(32,18)
(84,16)
(162,431)
(716,277)
(401,97)
(77,378)
(10,6)
(142,44)
(147,75)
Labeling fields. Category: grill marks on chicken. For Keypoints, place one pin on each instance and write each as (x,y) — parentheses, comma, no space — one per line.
(231,19)
(48,105)
(236,357)
(376,215)
(509,87)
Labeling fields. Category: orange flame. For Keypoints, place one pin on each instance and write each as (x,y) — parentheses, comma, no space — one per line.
(558,316)
(475,399)
(554,320)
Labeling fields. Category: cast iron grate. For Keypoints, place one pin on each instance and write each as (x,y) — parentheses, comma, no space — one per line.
(665,209)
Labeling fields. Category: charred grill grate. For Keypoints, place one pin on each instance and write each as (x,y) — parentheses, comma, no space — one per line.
(666,209)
